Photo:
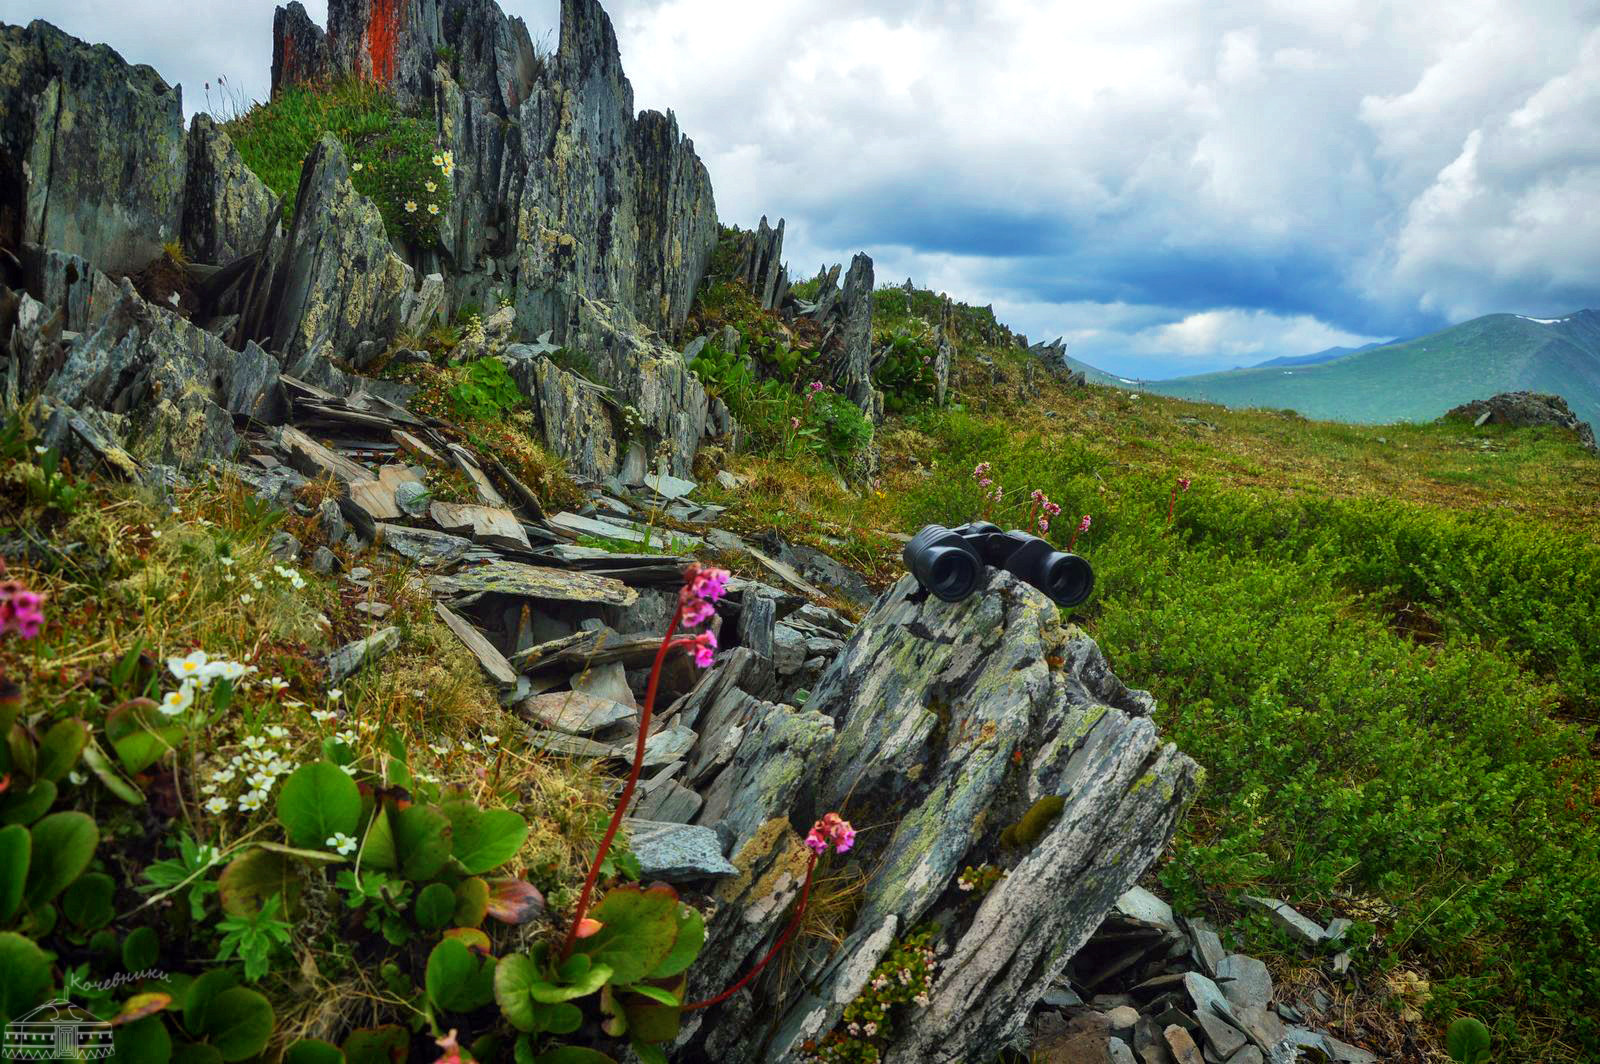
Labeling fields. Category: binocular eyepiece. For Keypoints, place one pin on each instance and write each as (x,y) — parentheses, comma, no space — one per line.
(948,562)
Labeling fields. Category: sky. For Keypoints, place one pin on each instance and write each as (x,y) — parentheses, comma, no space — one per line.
(1174,187)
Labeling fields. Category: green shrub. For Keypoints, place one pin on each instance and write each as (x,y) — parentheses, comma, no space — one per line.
(486,391)
(905,372)
(392,153)
(721,372)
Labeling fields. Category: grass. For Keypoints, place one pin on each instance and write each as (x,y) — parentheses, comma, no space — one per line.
(391,152)
(1377,640)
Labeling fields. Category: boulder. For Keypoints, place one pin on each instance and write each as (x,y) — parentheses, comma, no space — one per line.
(226,207)
(340,282)
(953,724)
(1522,409)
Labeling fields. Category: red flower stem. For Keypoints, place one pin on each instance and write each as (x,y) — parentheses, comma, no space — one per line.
(1073,542)
(627,790)
(783,940)
(1172,502)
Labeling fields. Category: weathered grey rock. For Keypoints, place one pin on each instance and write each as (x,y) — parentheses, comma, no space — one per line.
(788,650)
(822,569)
(330,522)
(910,694)
(1208,951)
(1216,1017)
(324,561)
(608,680)
(429,547)
(676,852)
(339,282)
(1245,980)
(1117,1052)
(1345,1053)
(413,498)
(760,263)
(91,148)
(668,745)
(944,357)
(226,207)
(575,712)
(283,547)
(1299,927)
(574,415)
(299,48)
(846,314)
(1337,928)
(1141,905)
(767,769)
(343,662)
(1183,1049)
(757,624)
(1522,409)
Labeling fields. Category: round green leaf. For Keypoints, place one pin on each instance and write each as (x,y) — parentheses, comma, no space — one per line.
(143,1041)
(513,978)
(484,838)
(63,844)
(317,802)
(87,902)
(436,904)
(16,850)
(457,979)
(313,1051)
(472,902)
(239,1023)
(27,979)
(60,748)
(201,993)
(377,1045)
(1467,1040)
(253,877)
(140,949)
(26,806)
(140,735)
(421,841)
(196,1053)
(691,936)
(637,933)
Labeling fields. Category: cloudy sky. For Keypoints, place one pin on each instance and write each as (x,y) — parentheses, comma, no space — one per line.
(1173,186)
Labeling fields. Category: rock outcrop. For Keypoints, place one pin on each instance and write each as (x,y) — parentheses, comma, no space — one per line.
(942,726)
(1524,409)
(228,212)
(844,313)
(760,266)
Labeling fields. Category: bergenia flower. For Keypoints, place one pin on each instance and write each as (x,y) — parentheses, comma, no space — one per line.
(1183,483)
(1083,526)
(20,609)
(831,830)
(1037,496)
(1053,509)
(705,645)
(816,386)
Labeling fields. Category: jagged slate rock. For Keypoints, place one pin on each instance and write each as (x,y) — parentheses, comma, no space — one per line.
(788,650)
(760,262)
(315,460)
(343,662)
(853,372)
(1117,1052)
(277,485)
(299,48)
(493,662)
(607,680)
(1341,962)
(1251,983)
(668,745)
(575,712)
(944,356)
(535,582)
(730,481)
(821,648)
(1215,1014)
(1337,928)
(1260,1024)
(823,618)
(556,742)
(1247,1055)
(757,624)
(283,546)
(785,572)
(722,539)
(1299,927)
(330,522)
(324,561)
(943,801)
(676,852)
(421,305)
(1141,905)
(1208,951)
(376,610)
(767,769)
(412,498)
(339,281)
(1182,1046)
(578,525)
(487,524)
(591,648)
(226,207)
(816,566)
(92,149)
(1345,1053)
(668,801)
(738,676)
(669,487)
(426,546)
(414,445)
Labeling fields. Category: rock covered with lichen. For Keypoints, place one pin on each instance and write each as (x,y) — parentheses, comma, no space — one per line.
(983,734)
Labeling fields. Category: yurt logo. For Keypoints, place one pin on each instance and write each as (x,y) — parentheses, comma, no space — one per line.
(58,1031)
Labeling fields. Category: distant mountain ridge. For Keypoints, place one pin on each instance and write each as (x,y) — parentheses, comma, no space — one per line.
(1327,355)
(1419,379)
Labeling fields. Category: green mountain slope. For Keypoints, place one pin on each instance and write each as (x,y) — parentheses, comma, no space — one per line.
(1420,379)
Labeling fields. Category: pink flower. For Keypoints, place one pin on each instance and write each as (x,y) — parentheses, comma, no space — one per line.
(452,1049)
(695,613)
(1037,496)
(1053,509)
(20,610)
(999,493)
(831,830)
(1044,524)
(1083,526)
(710,584)
(1183,483)
(704,645)
(818,844)
(816,386)
(794,422)
(980,472)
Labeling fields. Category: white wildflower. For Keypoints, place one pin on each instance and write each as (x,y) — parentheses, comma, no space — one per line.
(341,842)
(189,668)
(251,801)
(216,805)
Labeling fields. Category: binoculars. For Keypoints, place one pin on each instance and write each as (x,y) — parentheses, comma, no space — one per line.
(948,562)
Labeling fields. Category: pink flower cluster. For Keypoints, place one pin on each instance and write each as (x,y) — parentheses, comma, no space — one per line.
(21,610)
(831,830)
(1043,510)
(1083,526)
(702,586)
(980,473)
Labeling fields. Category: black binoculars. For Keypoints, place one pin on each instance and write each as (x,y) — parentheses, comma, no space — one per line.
(948,562)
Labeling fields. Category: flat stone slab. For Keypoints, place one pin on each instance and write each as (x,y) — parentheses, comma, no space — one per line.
(575,712)
(578,525)
(1211,1009)
(669,487)
(676,852)
(606,680)
(1141,905)
(668,745)
(536,582)
(1299,927)
(1244,980)
(494,663)
(347,659)
(487,524)
(428,547)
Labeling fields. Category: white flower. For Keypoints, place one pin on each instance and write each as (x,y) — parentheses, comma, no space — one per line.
(76,777)
(224,670)
(189,668)
(490,740)
(440,750)
(40,449)
(254,742)
(356,168)
(430,186)
(227,562)
(176,510)
(921,999)
(323,716)
(366,725)
(209,788)
(155,533)
(411,206)
(870,1029)
(277,683)
(255,582)
(280,767)
(342,842)
(277,731)
(251,801)
(222,775)
(207,855)
(217,805)
(349,770)
(260,781)
(433,208)
(335,694)
(227,578)
(175,702)
(237,762)
(247,598)
(347,737)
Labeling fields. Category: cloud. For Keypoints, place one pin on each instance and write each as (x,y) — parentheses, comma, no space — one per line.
(1272,175)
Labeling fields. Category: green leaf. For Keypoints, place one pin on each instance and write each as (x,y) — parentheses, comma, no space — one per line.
(513,978)
(114,781)
(313,1051)
(588,982)
(377,1045)
(691,936)
(198,997)
(16,849)
(24,807)
(378,850)
(140,734)
(654,993)
(144,1041)
(253,877)
(238,1023)
(196,1053)
(140,949)
(317,802)
(27,979)
(639,929)
(558,1019)
(422,841)
(647,1053)
(484,839)
(435,905)
(60,748)
(1467,1040)
(87,902)
(63,845)
(472,902)
(457,980)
